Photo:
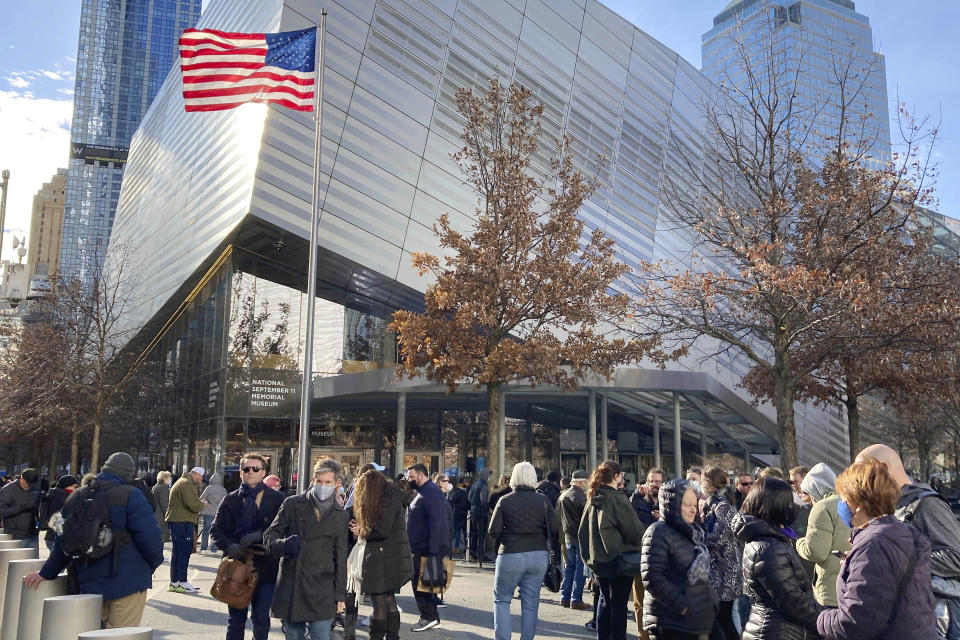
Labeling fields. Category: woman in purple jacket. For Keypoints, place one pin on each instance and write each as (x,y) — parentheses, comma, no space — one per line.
(883,590)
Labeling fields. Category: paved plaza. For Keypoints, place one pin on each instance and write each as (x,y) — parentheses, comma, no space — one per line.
(468,615)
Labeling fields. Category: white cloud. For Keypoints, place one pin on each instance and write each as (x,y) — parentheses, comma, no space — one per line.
(66,92)
(17,82)
(52,75)
(36,141)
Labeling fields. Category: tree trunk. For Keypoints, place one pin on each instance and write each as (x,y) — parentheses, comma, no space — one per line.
(75,450)
(95,445)
(493,428)
(54,446)
(783,395)
(852,403)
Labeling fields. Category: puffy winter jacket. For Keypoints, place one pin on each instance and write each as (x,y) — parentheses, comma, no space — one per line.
(428,521)
(871,605)
(826,532)
(608,529)
(668,551)
(782,601)
(519,521)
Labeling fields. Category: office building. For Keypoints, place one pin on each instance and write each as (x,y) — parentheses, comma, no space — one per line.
(807,45)
(126,49)
(46,226)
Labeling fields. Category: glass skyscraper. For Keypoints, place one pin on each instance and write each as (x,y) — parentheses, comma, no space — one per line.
(803,46)
(126,48)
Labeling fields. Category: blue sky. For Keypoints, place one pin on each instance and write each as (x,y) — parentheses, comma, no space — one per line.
(38,47)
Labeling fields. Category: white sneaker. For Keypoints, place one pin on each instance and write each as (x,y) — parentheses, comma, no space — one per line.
(189,587)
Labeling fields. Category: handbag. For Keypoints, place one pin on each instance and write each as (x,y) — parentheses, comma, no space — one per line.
(432,572)
(448,565)
(553,578)
(235,582)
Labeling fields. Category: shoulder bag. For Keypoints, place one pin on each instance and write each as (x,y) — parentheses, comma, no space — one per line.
(553,578)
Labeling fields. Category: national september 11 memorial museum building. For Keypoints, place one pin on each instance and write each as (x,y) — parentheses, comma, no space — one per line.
(214,215)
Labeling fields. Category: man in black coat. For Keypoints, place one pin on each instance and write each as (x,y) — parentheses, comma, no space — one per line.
(550,487)
(237,528)
(570,504)
(457,498)
(646,498)
(19,501)
(428,529)
(479,497)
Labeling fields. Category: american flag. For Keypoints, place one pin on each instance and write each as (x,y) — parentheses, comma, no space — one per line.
(222,70)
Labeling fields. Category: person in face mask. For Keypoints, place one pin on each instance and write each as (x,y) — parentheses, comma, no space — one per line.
(883,590)
(309,534)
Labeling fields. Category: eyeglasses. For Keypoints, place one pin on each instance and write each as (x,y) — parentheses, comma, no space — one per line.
(252,469)
(745,484)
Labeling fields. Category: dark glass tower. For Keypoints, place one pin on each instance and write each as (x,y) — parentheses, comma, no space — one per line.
(126,48)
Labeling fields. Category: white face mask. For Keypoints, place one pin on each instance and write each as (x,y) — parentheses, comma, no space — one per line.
(447,486)
(323,491)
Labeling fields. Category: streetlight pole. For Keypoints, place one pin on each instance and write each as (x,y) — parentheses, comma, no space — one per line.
(3,206)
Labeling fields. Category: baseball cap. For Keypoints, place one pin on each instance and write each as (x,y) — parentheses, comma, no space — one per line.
(199,470)
(378,467)
(32,476)
(580,474)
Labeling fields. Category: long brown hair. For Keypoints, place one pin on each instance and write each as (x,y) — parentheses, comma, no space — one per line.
(369,500)
(604,474)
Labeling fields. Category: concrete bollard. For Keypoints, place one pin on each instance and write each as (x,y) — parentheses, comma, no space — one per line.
(13,585)
(7,556)
(120,633)
(31,605)
(69,616)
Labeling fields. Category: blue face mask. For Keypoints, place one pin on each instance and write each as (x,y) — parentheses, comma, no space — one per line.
(843,510)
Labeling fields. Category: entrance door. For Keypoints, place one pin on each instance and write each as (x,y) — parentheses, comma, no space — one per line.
(432,459)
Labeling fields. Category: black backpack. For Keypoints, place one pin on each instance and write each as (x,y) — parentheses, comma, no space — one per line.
(87,533)
(43,515)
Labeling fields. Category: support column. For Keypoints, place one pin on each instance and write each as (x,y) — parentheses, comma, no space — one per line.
(604,445)
(401,433)
(677,445)
(502,434)
(657,463)
(746,461)
(703,449)
(591,430)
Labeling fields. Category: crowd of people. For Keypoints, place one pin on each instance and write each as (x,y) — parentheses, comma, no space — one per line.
(868,554)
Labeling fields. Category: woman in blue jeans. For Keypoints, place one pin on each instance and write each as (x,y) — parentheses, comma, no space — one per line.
(519,525)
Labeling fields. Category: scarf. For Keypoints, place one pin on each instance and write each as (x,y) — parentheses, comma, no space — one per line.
(247,522)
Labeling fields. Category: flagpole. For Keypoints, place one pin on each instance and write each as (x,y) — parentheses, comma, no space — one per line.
(304,471)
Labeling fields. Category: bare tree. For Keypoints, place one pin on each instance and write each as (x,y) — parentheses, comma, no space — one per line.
(778,214)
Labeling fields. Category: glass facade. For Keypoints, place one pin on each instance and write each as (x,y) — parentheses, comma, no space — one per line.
(807,44)
(126,48)
(197,183)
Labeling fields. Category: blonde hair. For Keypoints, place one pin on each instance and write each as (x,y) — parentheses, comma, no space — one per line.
(870,486)
(163,475)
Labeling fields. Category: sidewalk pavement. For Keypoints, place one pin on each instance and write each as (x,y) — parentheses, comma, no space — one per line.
(468,615)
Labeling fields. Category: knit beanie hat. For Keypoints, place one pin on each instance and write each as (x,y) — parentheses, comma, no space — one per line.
(120,464)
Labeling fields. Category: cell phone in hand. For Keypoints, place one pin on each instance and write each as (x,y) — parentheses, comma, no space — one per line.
(838,553)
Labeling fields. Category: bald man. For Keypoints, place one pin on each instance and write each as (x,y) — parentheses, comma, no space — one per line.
(925,509)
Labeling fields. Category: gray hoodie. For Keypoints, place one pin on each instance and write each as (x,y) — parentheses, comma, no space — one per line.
(819,482)
(214,494)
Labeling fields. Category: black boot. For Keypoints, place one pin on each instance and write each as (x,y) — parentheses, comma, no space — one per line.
(378,629)
(393,627)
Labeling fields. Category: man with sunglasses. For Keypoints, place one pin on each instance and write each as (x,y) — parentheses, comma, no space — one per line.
(744,484)
(238,529)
